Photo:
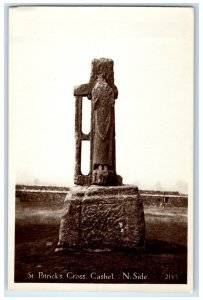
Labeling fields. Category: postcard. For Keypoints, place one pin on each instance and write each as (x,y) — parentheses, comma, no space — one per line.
(101,125)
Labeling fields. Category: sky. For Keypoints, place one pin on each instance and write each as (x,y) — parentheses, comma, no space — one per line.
(50,52)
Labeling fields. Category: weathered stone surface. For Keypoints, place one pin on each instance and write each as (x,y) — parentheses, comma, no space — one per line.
(99,217)
(104,67)
(82,90)
(102,92)
(103,133)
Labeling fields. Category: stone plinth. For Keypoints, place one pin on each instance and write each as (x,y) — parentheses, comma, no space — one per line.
(100,217)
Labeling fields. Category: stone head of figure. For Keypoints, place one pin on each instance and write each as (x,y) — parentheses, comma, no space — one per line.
(102,69)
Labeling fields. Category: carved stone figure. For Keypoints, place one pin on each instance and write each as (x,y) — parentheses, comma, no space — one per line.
(103,131)
(102,92)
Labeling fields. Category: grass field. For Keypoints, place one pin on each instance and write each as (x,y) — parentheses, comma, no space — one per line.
(164,259)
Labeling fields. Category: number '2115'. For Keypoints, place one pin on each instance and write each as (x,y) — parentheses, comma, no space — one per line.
(171,276)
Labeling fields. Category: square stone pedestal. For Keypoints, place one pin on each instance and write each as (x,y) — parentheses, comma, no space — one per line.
(98,217)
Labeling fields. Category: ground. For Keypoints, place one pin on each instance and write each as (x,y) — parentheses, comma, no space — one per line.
(164,259)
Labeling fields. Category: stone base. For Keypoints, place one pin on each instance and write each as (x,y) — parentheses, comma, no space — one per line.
(98,217)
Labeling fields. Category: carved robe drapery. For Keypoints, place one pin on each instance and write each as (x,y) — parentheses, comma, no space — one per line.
(102,92)
(103,124)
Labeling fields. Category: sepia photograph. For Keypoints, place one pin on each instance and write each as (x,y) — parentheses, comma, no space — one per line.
(101,147)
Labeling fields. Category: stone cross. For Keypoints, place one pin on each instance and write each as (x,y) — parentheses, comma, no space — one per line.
(102,92)
(100,212)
